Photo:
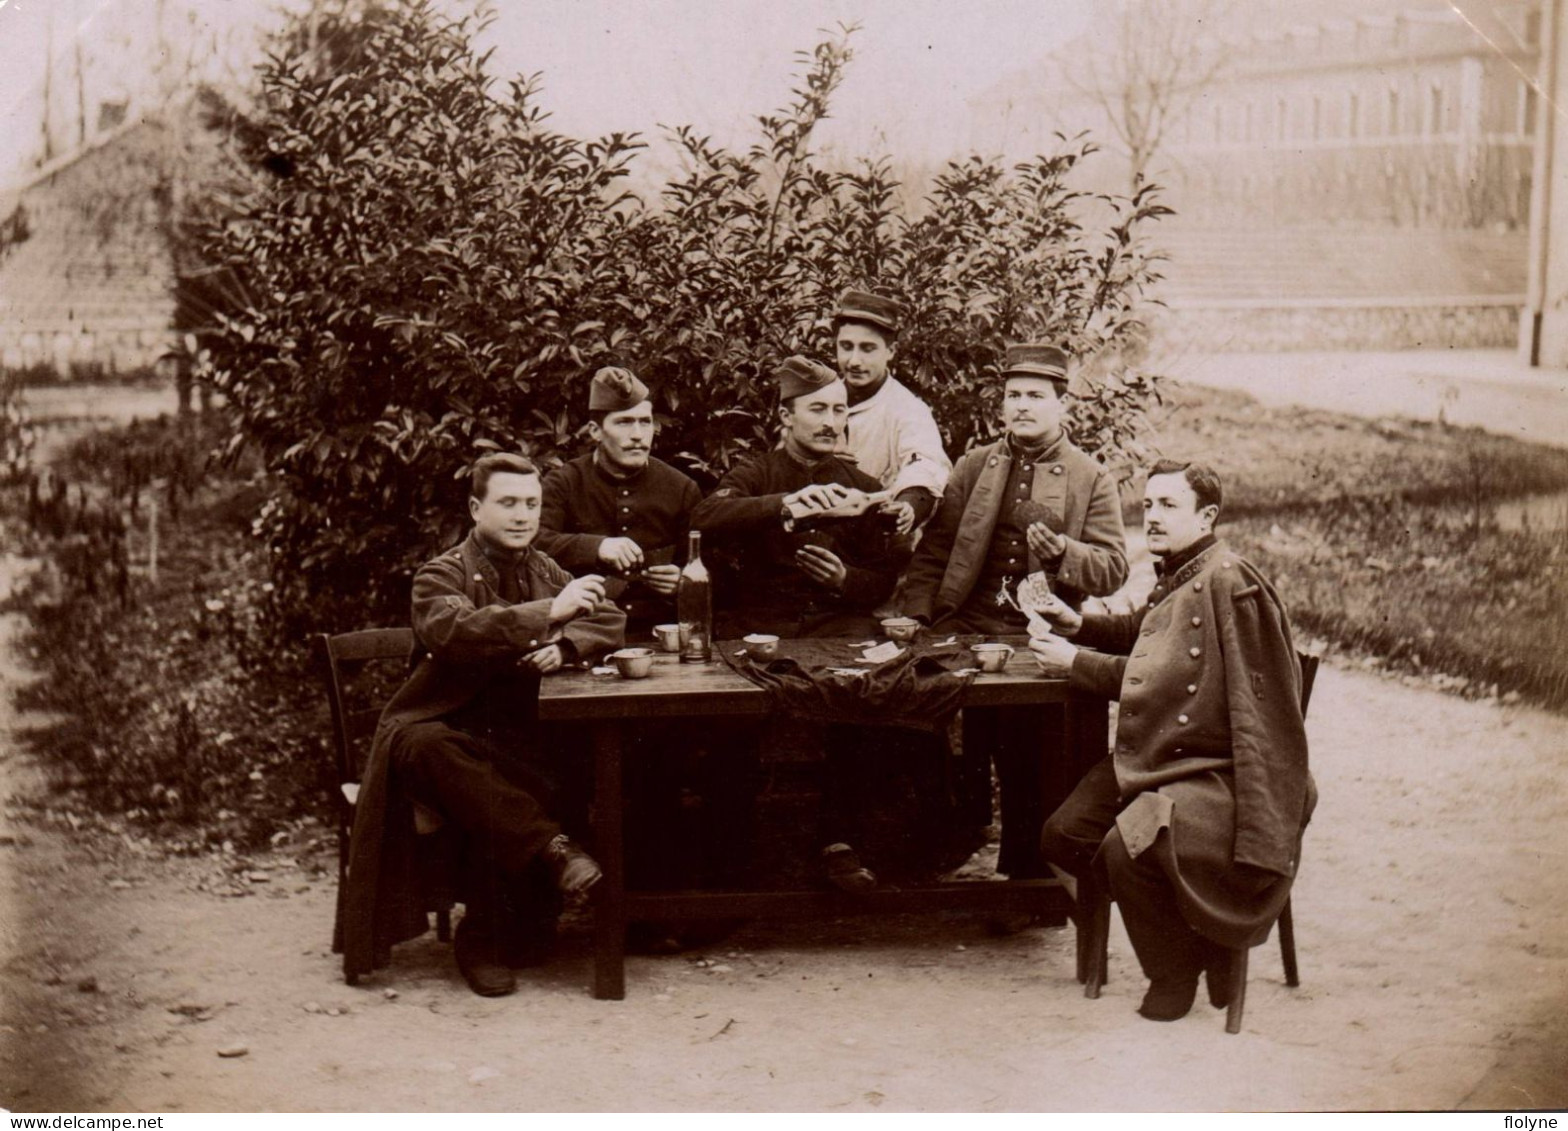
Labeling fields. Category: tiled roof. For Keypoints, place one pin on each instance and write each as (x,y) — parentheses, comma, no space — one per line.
(91,283)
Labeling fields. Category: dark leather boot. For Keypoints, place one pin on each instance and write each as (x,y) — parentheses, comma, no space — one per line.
(481,955)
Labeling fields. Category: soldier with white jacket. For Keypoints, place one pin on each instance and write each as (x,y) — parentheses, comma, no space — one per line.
(892,435)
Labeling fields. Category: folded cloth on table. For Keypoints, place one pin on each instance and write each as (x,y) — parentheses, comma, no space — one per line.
(921,688)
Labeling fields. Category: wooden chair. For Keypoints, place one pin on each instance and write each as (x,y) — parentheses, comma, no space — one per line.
(352,729)
(1094,929)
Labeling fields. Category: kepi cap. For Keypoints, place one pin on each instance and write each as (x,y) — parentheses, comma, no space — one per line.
(614,389)
(797,375)
(863,306)
(1036,360)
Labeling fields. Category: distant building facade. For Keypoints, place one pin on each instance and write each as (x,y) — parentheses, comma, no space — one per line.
(1423,117)
(1419,119)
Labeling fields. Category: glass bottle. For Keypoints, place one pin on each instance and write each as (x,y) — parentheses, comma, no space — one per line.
(694,605)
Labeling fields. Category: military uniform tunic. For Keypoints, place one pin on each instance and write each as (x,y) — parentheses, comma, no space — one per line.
(753,549)
(585,503)
(469,639)
(1210,742)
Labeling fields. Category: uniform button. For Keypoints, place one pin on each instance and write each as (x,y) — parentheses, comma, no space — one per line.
(1012,561)
(1056,469)
(1195,652)
(1182,719)
(1224,565)
(478,577)
(1197,622)
(1028,467)
(533,643)
(1192,689)
(1197,587)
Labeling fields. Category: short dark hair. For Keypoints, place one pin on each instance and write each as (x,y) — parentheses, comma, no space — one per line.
(486,466)
(890,337)
(1203,479)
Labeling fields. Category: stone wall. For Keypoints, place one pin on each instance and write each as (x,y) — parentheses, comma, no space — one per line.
(1474,323)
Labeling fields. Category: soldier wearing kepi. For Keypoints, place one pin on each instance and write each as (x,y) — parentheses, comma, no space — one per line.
(1197,815)
(619,509)
(798,547)
(891,433)
(1030,502)
(461,738)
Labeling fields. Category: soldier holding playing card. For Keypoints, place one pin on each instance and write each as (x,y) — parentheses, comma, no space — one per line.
(1029,504)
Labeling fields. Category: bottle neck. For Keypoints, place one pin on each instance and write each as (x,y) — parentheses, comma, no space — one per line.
(694,545)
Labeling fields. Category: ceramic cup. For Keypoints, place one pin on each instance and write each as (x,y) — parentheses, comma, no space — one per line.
(668,636)
(900,629)
(633,663)
(761,645)
(992,657)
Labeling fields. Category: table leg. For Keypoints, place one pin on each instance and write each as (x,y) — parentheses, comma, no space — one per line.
(609,916)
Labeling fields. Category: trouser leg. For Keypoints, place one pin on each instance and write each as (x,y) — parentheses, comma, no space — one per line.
(729,777)
(655,766)
(450,771)
(1167,948)
(1018,739)
(846,790)
(1073,833)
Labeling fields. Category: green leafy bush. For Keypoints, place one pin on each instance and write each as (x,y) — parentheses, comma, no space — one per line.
(424,271)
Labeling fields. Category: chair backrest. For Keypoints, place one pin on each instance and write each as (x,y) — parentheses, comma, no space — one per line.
(351,725)
(1309,675)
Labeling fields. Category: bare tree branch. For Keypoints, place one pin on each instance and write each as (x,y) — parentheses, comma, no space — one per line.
(1149,62)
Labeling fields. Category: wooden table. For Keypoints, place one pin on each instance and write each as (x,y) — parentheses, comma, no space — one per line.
(610,704)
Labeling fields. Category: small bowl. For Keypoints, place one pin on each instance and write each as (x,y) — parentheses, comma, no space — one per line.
(992,657)
(900,629)
(633,663)
(761,645)
(668,636)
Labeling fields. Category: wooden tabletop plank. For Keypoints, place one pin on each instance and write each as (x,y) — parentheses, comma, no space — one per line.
(674,689)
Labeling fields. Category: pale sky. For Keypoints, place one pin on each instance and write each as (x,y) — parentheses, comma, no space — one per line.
(617,64)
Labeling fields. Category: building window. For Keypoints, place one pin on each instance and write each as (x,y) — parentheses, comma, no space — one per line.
(1249,125)
(1317,117)
(1353,116)
(1434,110)
(1281,119)
(1393,112)
(1219,125)
(1532,28)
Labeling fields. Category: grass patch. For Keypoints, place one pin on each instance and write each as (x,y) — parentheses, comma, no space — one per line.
(1280,460)
(1383,537)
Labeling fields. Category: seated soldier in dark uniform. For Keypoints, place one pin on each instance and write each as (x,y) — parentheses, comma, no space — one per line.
(798,551)
(620,510)
(461,738)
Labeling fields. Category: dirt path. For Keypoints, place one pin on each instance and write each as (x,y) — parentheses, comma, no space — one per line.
(1432,924)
